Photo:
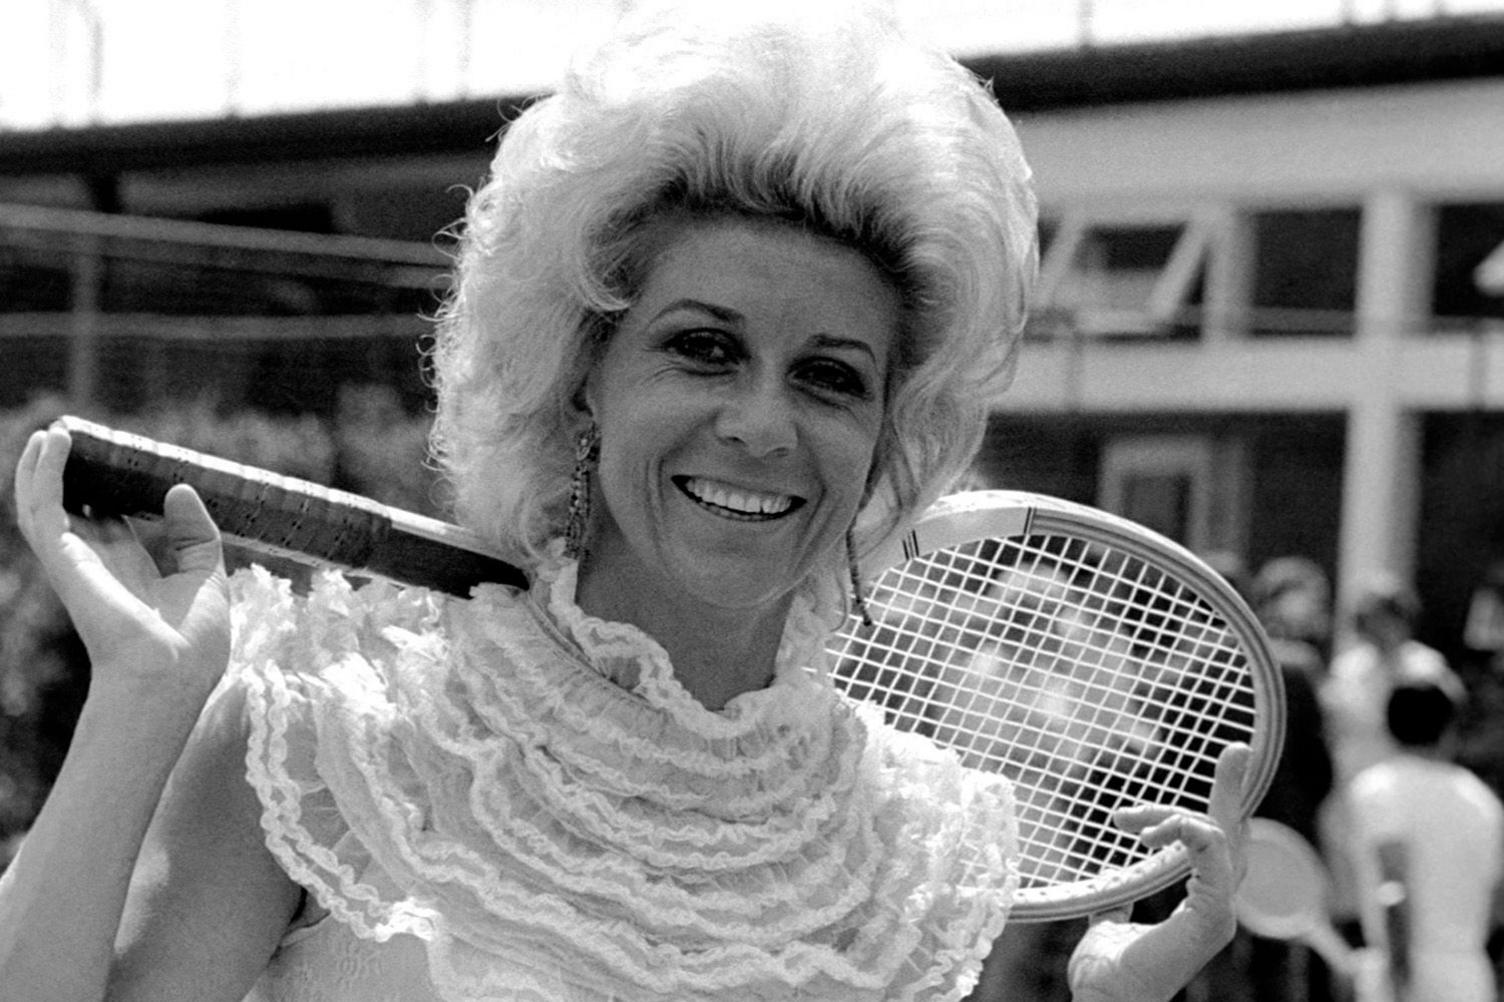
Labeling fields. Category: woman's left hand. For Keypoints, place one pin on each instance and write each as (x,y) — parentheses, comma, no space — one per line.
(1119,961)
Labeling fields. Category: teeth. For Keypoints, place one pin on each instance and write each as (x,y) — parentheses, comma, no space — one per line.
(723,496)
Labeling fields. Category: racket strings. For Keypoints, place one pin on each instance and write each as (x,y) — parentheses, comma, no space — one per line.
(1087,675)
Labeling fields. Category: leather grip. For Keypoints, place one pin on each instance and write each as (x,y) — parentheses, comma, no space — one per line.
(113,472)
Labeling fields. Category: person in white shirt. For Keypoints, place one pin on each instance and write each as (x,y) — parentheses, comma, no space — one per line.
(1383,654)
(1428,850)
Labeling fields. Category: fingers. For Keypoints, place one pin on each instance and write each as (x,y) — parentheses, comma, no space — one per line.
(39,489)
(189,539)
(27,480)
(1122,914)
(1159,825)
(1226,806)
(1214,840)
(26,466)
(1156,961)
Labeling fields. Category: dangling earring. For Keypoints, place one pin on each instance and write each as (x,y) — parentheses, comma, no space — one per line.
(587,450)
(858,600)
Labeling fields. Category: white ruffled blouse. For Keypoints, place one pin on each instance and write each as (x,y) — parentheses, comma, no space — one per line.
(484,814)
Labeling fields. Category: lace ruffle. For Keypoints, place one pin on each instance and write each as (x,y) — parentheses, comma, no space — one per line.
(465,772)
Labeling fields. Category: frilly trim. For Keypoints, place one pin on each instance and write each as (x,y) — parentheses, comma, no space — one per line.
(462,772)
(604,643)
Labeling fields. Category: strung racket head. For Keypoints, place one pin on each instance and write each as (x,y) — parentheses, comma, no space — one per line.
(1094,663)
(1284,892)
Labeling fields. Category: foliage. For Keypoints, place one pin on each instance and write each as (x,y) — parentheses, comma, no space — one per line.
(371,446)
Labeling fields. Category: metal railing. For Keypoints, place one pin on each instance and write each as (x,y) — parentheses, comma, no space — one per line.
(118,311)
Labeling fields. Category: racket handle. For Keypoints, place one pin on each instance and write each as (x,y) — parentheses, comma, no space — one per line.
(112,472)
(1329,945)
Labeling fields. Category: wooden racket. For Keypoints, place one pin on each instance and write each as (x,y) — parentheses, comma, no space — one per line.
(1093,662)
(113,472)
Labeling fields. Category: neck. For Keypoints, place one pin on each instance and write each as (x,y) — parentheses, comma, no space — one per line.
(1443,751)
(717,653)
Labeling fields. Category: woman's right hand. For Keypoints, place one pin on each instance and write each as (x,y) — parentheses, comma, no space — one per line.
(150,602)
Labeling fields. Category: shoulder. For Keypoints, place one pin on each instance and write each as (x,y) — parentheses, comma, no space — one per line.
(1483,798)
(1349,670)
(304,628)
(1420,663)
(924,789)
(1424,660)
(949,856)
(1379,788)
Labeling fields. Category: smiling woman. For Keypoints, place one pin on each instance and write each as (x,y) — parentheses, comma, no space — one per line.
(740,402)
(728,314)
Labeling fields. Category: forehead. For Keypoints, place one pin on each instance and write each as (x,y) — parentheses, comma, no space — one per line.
(767,269)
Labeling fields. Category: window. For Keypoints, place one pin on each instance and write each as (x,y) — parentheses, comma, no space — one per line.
(1469,261)
(1109,279)
(1189,487)
(1305,277)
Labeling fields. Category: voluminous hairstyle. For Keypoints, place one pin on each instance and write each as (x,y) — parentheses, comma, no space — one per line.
(825,117)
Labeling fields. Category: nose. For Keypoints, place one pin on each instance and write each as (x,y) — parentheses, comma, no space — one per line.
(759,416)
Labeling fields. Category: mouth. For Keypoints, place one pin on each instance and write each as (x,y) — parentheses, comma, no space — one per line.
(737,502)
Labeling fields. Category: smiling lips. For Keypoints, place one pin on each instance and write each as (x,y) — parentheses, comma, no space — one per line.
(728,500)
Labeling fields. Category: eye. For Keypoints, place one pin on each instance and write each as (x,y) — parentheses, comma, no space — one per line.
(708,348)
(832,376)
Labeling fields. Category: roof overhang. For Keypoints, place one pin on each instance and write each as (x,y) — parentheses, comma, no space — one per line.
(1397,52)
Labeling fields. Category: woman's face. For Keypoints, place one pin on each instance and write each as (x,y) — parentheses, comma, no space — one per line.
(739,402)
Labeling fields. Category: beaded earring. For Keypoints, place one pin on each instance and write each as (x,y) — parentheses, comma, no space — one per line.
(587,450)
(858,599)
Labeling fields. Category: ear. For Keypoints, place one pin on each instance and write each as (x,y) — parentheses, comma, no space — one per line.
(584,398)
(876,470)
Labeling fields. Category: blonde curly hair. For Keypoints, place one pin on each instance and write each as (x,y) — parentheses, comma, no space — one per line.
(827,117)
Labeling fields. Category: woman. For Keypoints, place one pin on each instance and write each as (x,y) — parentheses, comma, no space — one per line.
(729,310)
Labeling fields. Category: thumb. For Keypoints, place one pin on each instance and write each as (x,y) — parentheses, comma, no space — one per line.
(192,539)
(1228,784)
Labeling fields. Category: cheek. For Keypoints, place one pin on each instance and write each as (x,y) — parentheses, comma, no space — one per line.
(851,464)
(636,434)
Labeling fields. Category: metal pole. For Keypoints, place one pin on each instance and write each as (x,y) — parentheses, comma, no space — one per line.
(83,328)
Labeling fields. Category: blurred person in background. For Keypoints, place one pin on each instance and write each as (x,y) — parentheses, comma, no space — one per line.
(1291,596)
(1384,653)
(729,313)
(1428,853)
(1354,700)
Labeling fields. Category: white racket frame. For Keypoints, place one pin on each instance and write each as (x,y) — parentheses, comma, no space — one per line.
(968,517)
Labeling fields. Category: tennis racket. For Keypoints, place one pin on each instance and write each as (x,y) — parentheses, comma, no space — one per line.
(113,472)
(1284,894)
(1094,663)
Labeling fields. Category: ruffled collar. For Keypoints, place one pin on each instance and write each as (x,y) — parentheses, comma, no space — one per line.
(467,773)
(620,651)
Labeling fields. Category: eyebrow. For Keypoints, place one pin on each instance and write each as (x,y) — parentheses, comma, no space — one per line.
(850,343)
(722,313)
(727,315)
